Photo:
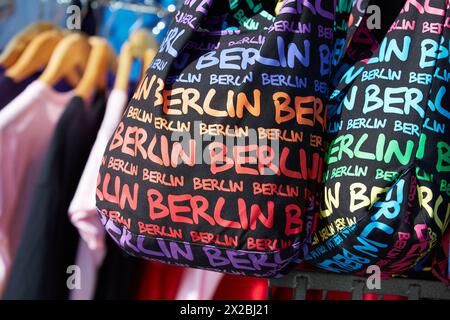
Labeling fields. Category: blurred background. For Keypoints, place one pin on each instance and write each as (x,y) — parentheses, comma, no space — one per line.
(113,20)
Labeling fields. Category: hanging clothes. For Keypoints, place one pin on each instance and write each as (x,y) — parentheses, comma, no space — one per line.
(26,126)
(198,284)
(10,89)
(119,276)
(241,288)
(159,281)
(50,241)
(82,210)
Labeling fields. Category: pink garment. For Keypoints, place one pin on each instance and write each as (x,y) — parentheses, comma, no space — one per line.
(199,284)
(82,210)
(26,127)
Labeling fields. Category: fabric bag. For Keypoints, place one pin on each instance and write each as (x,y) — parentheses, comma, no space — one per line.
(218,159)
(386,199)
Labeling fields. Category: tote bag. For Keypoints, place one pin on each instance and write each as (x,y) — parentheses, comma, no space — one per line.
(218,159)
(386,197)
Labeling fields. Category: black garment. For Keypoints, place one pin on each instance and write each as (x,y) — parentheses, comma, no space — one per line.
(119,276)
(50,241)
(9,89)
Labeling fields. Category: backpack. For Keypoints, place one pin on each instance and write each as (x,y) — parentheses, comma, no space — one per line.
(386,200)
(217,162)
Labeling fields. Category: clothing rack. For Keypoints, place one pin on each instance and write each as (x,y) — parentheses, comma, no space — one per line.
(148,8)
(412,289)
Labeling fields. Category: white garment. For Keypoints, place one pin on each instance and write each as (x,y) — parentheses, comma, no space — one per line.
(26,126)
(82,210)
(198,284)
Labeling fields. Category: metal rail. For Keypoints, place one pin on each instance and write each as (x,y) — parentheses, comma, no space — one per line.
(409,288)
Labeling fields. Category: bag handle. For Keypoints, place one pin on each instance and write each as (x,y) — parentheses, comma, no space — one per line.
(188,20)
(192,12)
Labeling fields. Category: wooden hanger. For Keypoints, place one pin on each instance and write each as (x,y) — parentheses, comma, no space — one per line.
(101,60)
(20,42)
(124,68)
(70,56)
(36,56)
(141,41)
(137,47)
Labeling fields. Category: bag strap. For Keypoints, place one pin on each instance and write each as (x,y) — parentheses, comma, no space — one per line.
(190,17)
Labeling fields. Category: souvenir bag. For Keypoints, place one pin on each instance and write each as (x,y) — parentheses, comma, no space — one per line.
(358,35)
(386,199)
(218,159)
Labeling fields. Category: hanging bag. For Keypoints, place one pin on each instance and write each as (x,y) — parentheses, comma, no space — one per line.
(386,200)
(217,161)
